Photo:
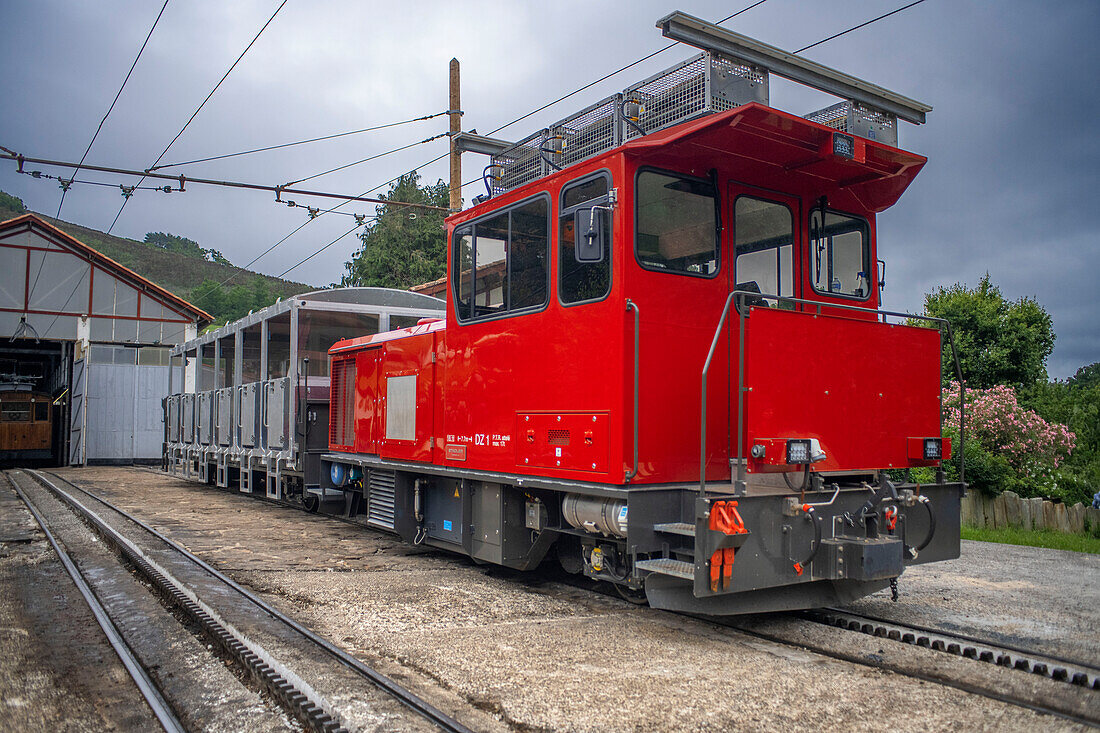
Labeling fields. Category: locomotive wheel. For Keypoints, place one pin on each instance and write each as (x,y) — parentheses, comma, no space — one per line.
(311,503)
(637,597)
(569,555)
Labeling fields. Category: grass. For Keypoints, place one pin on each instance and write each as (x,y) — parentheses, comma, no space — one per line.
(1034,538)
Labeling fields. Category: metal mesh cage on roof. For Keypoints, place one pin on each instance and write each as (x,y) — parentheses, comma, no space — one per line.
(521,163)
(703,84)
(858,119)
(590,131)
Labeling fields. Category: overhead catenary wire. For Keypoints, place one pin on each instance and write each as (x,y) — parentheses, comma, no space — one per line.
(84,157)
(498,129)
(203,104)
(588,86)
(300,142)
(318,251)
(857,27)
(182,180)
(364,160)
(605,77)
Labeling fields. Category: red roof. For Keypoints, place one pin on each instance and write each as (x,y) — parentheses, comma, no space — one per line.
(123,272)
(878,175)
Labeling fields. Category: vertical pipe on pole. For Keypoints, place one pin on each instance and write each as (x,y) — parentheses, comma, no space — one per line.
(455,115)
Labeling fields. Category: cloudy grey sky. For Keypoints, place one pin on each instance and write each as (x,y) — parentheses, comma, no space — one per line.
(1012,141)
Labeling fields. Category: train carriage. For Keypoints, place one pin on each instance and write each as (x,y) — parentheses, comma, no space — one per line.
(26,425)
(663,356)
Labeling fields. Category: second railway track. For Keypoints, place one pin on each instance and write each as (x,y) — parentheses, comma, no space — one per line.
(1060,669)
(1027,678)
(314,681)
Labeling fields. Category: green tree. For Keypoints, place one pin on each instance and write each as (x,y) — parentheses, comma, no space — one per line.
(405,246)
(12,204)
(1086,376)
(229,305)
(999,341)
(215,256)
(175,243)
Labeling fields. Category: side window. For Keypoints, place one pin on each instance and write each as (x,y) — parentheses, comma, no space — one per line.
(500,263)
(763,235)
(581,281)
(840,259)
(462,265)
(676,228)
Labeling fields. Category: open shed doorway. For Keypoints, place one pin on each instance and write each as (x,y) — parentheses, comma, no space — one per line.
(35,402)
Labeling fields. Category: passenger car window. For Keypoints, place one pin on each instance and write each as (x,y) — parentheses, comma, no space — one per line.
(581,281)
(839,255)
(763,233)
(676,226)
(500,263)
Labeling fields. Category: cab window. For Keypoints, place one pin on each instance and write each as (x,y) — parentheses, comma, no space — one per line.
(676,228)
(763,233)
(840,258)
(500,262)
(583,281)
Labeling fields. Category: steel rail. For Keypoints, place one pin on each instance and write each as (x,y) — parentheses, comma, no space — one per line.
(308,709)
(856,658)
(731,624)
(384,683)
(160,707)
(1056,668)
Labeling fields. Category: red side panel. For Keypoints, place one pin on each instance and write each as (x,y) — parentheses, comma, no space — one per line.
(368,410)
(861,388)
(407,387)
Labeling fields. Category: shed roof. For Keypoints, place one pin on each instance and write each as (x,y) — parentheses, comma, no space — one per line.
(31,221)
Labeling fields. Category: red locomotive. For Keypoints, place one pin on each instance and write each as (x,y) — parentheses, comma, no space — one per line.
(662,354)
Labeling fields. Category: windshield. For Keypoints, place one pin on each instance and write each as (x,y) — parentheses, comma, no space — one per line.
(840,255)
(676,226)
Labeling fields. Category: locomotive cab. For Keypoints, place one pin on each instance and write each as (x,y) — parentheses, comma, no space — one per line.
(663,353)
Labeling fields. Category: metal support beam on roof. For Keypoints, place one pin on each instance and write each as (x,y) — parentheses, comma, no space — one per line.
(471,142)
(699,33)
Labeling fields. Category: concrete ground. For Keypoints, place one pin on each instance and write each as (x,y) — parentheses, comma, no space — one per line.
(538,655)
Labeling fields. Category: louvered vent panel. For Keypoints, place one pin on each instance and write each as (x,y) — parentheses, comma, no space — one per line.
(342,417)
(381,498)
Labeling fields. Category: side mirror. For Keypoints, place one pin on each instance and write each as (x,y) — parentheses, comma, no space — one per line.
(588,233)
(882,275)
(817,243)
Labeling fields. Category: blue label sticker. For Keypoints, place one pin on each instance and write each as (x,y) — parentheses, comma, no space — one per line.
(446,525)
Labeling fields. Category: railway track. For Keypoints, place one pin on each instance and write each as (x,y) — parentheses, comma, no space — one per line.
(1024,677)
(1027,678)
(146,686)
(1056,668)
(315,682)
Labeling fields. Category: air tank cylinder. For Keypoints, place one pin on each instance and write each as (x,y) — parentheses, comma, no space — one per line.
(595,515)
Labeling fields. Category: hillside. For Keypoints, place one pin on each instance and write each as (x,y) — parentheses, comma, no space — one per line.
(178,273)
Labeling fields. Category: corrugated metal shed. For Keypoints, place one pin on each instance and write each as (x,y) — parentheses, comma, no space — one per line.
(102,333)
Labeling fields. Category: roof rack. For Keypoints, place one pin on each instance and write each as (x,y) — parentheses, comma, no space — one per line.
(731,71)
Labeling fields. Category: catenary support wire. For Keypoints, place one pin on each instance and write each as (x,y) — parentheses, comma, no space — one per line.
(203,104)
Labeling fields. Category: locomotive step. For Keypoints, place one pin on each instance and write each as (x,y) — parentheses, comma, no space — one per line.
(668,566)
(684,528)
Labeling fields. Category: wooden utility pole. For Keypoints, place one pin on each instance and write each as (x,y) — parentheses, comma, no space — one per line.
(456,127)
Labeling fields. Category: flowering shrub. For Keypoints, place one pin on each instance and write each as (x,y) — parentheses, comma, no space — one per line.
(1007,433)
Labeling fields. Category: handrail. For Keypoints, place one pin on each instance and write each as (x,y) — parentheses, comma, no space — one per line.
(740,295)
(703,418)
(630,304)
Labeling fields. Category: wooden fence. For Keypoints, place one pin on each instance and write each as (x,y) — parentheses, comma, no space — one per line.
(1011,510)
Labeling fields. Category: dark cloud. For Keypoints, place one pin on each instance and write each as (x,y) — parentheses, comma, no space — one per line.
(1013,153)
